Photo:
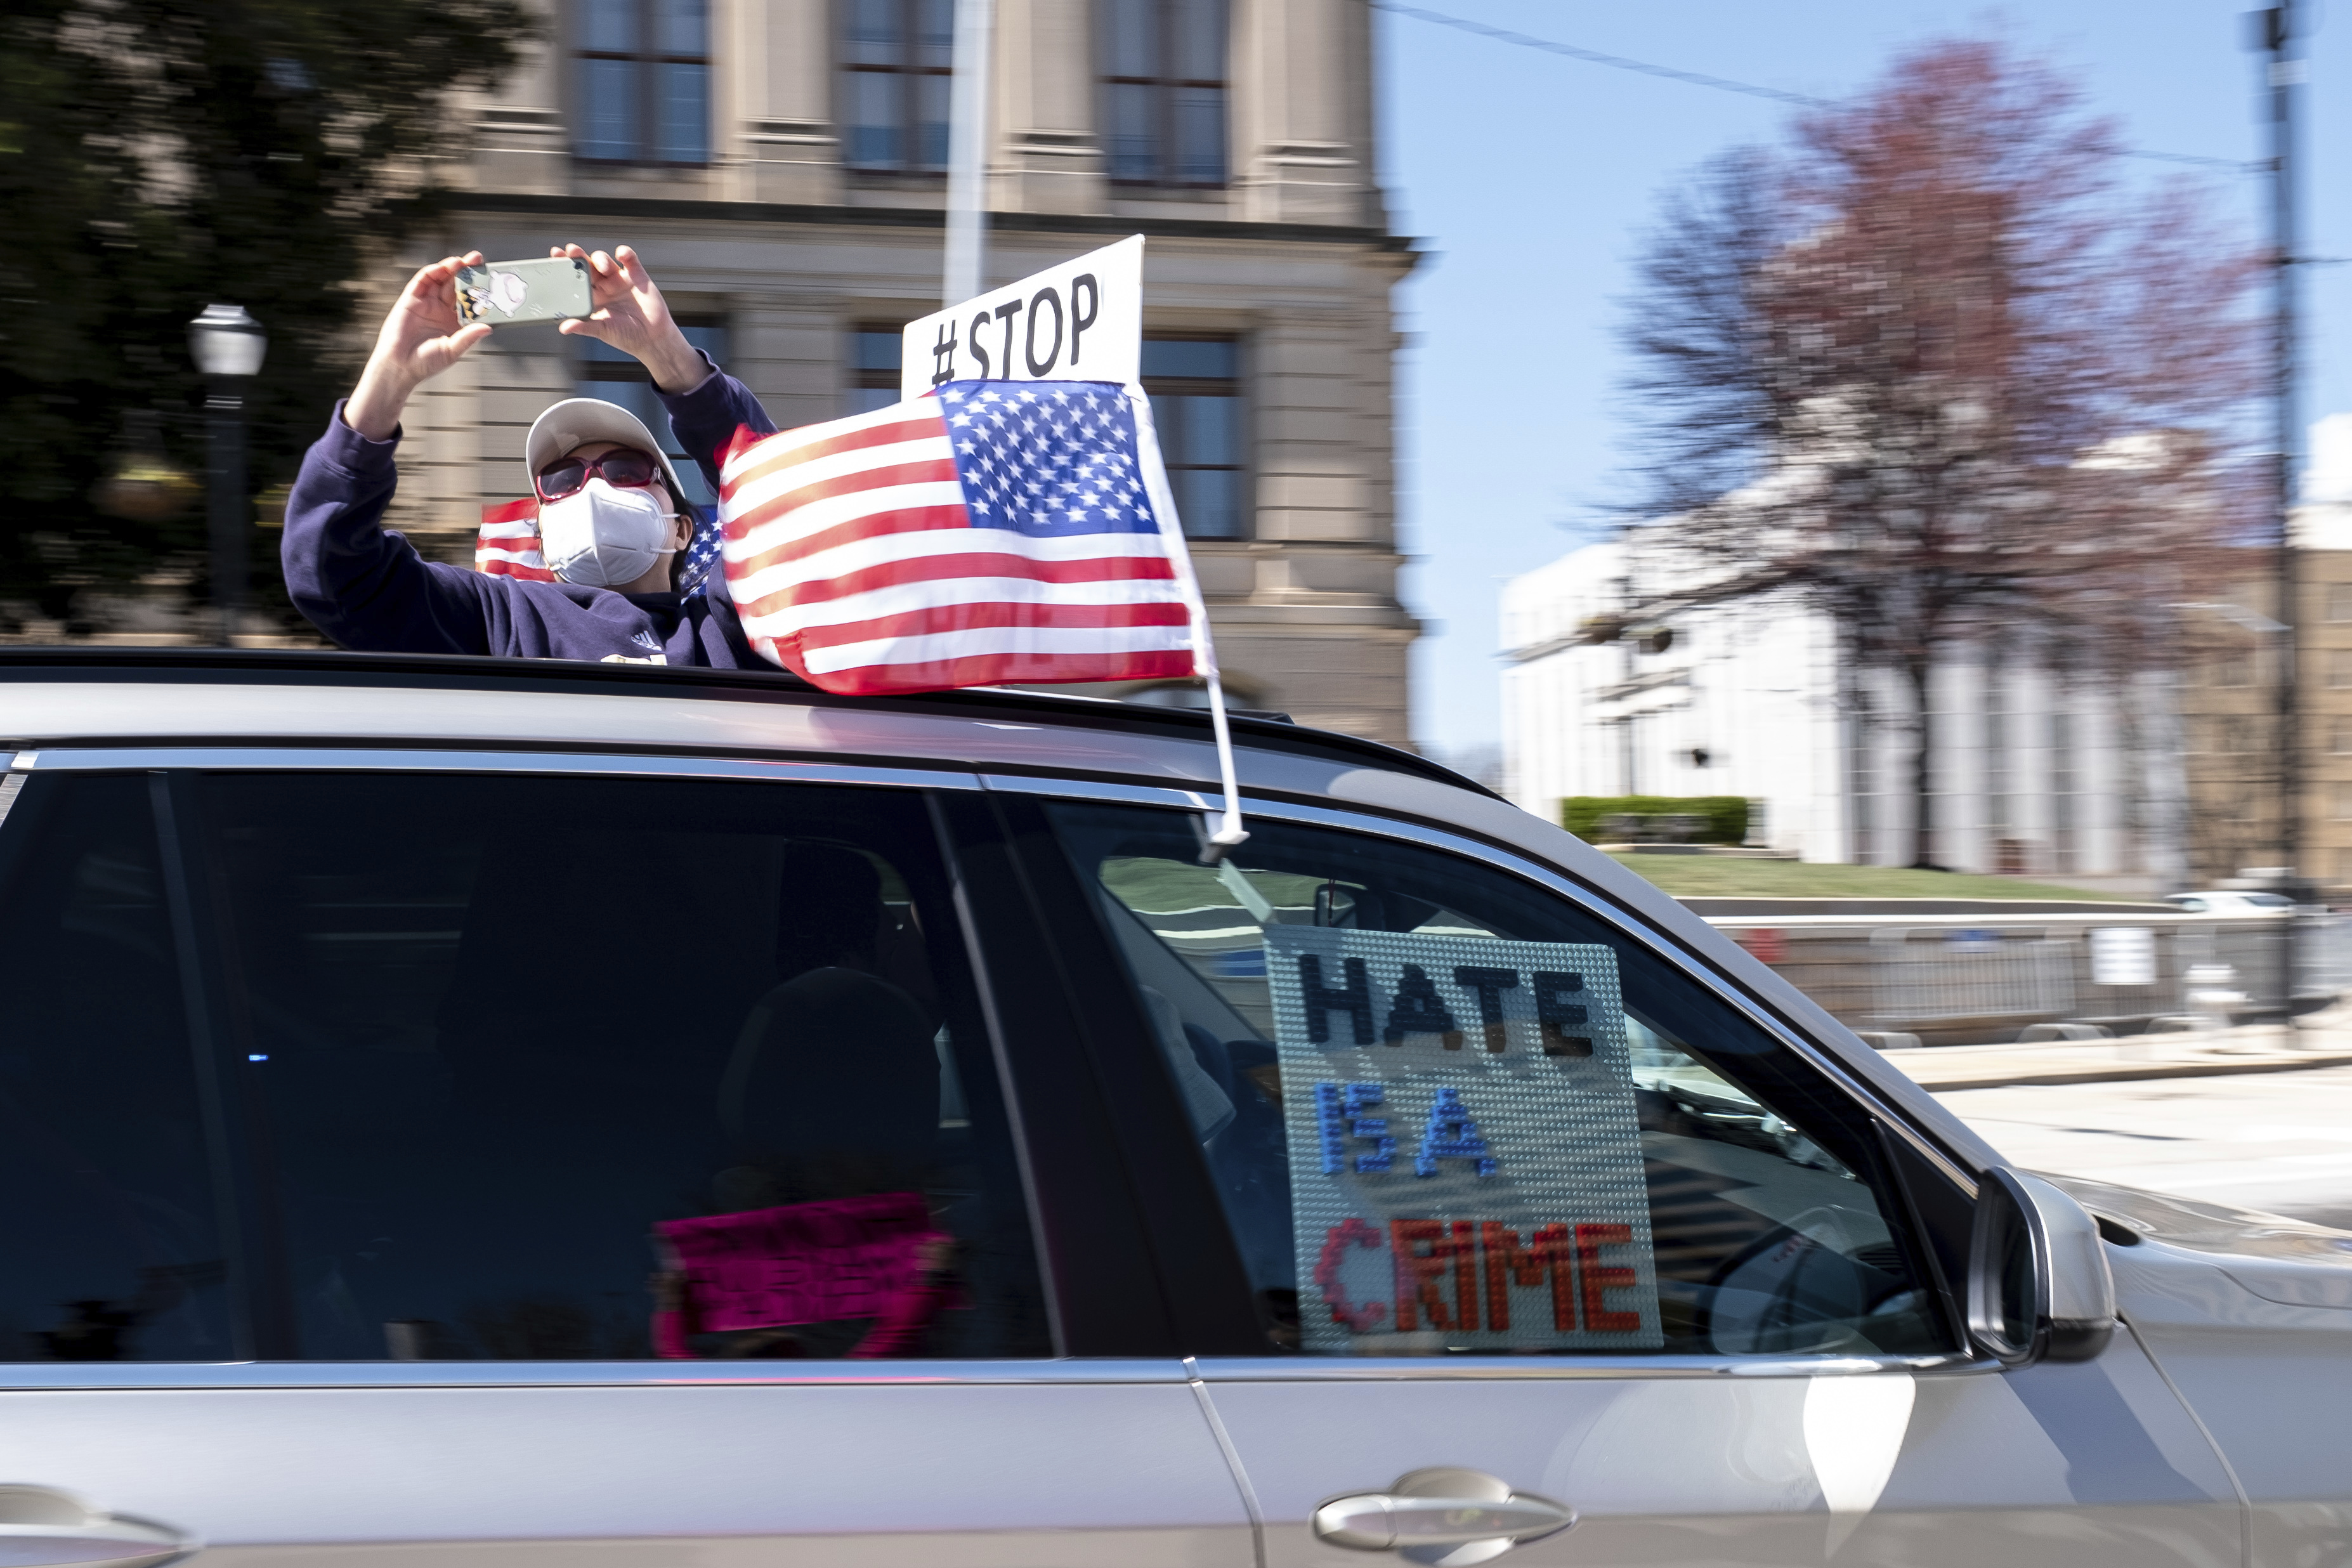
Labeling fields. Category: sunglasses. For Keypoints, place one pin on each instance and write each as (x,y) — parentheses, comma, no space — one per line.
(624,470)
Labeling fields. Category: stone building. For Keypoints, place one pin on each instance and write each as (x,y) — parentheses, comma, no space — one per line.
(2229,699)
(1627,675)
(2325,654)
(780,165)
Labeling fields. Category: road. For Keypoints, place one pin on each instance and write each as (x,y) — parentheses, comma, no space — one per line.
(2279,1141)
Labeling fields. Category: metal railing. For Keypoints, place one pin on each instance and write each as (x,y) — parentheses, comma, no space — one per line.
(1969,979)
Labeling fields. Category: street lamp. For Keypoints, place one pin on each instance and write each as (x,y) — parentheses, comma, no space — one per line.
(229,346)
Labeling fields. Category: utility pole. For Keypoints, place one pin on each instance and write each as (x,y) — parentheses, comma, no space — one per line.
(2280,40)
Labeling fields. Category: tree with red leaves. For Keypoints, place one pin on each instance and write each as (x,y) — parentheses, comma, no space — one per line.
(1935,370)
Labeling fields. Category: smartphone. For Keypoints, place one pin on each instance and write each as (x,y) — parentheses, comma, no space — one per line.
(504,293)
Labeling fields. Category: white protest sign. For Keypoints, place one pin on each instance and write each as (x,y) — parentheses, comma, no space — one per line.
(1080,320)
(1465,1156)
(2123,955)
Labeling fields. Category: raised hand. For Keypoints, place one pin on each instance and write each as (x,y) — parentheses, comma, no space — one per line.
(423,335)
(632,316)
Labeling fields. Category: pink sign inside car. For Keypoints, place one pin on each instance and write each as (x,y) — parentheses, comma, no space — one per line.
(804,1263)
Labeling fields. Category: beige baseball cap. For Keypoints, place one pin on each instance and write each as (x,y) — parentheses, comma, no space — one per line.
(577,421)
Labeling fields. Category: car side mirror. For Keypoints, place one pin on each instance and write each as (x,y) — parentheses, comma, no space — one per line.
(2038,1281)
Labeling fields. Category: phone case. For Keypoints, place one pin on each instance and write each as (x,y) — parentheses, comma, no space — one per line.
(504,293)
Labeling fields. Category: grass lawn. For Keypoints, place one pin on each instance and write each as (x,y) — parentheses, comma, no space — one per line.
(1709,876)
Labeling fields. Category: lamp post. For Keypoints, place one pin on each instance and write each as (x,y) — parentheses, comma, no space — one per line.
(229,346)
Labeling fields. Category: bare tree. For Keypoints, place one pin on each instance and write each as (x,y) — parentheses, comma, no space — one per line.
(1930,368)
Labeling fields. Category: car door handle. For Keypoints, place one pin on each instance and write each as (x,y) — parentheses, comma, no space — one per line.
(43,1528)
(1447,1516)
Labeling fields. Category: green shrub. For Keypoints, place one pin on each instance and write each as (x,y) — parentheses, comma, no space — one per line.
(1726,815)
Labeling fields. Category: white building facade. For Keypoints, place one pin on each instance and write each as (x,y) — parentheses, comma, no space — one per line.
(1619,680)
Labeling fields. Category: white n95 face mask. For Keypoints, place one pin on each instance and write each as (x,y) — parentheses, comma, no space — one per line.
(601,537)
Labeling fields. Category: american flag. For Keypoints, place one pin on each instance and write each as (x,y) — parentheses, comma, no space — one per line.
(991,532)
(507,546)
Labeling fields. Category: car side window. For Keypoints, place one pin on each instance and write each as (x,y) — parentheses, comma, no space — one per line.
(585,1068)
(110,1246)
(1448,1111)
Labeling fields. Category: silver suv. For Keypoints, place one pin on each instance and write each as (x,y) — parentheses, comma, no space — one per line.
(477,1112)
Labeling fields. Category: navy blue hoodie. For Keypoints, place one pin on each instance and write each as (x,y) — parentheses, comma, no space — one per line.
(366,586)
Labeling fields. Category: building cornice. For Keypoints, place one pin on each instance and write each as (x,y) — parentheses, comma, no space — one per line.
(534,205)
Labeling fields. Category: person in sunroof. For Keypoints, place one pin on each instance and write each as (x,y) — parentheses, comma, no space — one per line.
(613,520)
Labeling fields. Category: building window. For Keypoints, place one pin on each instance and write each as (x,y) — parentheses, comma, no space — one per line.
(2339,668)
(644,81)
(1164,76)
(1196,407)
(874,360)
(2233,669)
(2344,802)
(2339,738)
(2339,601)
(894,63)
(605,372)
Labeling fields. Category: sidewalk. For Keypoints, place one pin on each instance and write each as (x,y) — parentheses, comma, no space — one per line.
(2325,1040)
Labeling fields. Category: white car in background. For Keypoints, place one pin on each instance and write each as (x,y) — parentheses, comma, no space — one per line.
(1016,1188)
(2218,901)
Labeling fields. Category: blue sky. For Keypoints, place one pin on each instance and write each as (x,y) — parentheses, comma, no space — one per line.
(1529,177)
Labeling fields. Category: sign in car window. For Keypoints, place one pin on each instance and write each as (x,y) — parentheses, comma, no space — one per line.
(1466,1165)
(803,1263)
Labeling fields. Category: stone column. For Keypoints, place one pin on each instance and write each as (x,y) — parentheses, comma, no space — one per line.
(1311,375)
(1047,155)
(776,56)
(1321,629)
(519,142)
(1301,111)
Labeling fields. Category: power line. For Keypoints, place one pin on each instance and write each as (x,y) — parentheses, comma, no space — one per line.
(1699,79)
(2235,166)
(1595,57)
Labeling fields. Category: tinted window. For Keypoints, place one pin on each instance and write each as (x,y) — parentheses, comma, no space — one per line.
(109,1249)
(1448,1111)
(580,1067)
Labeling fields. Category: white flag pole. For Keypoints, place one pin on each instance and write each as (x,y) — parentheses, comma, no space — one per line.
(1229,831)
(966,270)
